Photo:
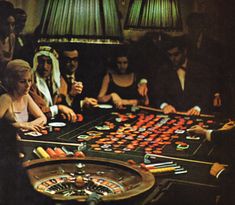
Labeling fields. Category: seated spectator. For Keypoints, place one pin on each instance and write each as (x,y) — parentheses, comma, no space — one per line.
(17,104)
(121,87)
(69,66)
(181,85)
(50,91)
(7,35)
(21,48)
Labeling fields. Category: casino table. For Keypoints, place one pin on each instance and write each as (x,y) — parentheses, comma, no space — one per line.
(139,137)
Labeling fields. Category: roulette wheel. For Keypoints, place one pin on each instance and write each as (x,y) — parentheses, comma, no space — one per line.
(67,179)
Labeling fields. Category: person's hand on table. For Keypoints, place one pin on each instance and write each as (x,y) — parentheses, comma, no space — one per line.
(228,126)
(90,101)
(216,168)
(76,88)
(168,109)
(117,100)
(31,126)
(132,102)
(68,112)
(193,111)
(197,130)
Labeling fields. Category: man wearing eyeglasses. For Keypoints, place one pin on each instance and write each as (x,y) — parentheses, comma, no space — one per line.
(69,65)
(182,85)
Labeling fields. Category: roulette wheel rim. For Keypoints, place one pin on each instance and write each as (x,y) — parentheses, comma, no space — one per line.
(146,183)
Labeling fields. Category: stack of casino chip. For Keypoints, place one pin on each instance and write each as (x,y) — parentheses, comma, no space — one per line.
(164,168)
(57,152)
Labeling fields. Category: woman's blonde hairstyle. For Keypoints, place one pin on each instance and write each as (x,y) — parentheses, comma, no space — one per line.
(15,69)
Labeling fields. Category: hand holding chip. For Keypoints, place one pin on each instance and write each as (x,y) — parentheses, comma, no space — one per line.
(68,113)
(228,126)
(90,101)
(197,130)
(143,89)
(76,88)
(169,109)
(193,111)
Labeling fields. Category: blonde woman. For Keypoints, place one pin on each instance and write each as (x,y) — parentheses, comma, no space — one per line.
(17,105)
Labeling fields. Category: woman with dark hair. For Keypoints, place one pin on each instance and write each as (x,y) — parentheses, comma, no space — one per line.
(17,104)
(121,87)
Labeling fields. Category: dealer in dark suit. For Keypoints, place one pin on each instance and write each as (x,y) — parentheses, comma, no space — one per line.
(182,85)
(223,138)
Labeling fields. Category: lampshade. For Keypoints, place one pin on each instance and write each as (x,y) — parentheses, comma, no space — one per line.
(85,21)
(154,14)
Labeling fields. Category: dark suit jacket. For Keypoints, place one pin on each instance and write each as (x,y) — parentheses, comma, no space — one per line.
(196,89)
(77,99)
(226,138)
(212,54)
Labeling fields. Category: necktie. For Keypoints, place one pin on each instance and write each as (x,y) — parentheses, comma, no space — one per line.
(181,75)
(49,85)
(70,81)
(217,100)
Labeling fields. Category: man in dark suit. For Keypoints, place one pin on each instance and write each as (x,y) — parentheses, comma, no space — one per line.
(203,47)
(224,137)
(181,85)
(69,64)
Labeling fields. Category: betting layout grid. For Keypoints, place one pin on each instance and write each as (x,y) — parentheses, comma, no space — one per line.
(137,132)
(146,132)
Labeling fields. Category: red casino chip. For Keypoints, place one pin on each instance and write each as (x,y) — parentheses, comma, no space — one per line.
(118,151)
(79,117)
(51,152)
(131,162)
(59,152)
(44,132)
(79,154)
(57,129)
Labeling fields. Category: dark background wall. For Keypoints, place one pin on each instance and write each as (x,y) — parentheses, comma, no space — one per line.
(220,12)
